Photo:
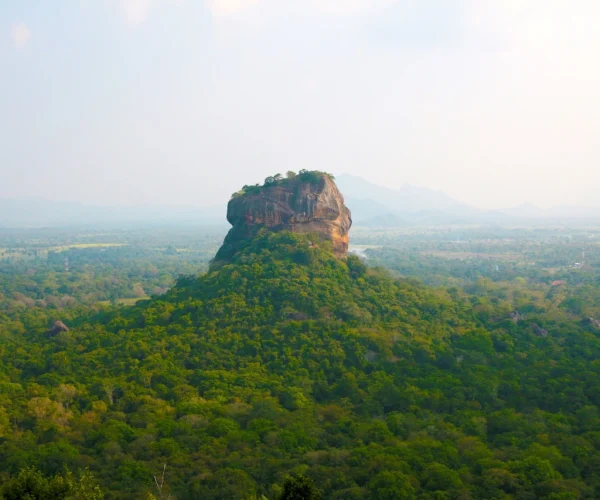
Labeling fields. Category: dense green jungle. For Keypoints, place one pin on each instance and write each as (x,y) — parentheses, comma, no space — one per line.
(431,363)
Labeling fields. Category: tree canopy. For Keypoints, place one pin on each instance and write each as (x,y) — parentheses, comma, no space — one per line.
(290,363)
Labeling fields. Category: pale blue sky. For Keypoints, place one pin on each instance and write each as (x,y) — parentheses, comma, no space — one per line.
(496,102)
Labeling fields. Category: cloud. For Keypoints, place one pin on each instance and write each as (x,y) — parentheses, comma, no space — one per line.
(222,8)
(349,6)
(20,34)
(538,24)
(135,11)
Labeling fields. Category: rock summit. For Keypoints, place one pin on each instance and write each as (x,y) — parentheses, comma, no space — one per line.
(307,202)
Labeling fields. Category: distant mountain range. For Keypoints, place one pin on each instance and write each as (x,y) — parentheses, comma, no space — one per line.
(39,212)
(379,206)
(566,211)
(371,205)
(407,198)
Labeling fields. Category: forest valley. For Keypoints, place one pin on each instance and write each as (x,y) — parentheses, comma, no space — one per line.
(456,364)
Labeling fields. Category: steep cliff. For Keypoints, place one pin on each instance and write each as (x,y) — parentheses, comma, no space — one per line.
(309,202)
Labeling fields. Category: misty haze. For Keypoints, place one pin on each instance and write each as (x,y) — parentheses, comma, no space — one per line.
(300,249)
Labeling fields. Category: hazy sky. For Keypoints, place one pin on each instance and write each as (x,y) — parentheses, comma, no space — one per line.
(496,102)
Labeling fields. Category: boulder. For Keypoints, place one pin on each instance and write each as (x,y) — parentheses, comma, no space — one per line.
(594,322)
(516,316)
(57,327)
(539,331)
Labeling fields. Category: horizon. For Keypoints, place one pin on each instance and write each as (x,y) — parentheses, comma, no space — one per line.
(190,307)
(223,203)
(168,102)
(525,204)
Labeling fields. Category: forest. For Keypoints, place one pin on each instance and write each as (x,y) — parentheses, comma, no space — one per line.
(451,365)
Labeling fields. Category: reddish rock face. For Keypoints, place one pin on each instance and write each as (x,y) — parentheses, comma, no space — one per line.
(291,205)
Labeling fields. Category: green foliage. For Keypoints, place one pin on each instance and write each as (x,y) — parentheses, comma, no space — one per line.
(225,483)
(299,488)
(31,484)
(314,177)
(290,362)
(390,485)
(137,265)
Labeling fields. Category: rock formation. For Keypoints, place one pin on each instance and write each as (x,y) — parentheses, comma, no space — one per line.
(516,316)
(309,202)
(57,327)
(539,331)
(594,322)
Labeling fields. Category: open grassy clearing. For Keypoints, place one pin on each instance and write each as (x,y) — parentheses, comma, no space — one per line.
(125,301)
(364,247)
(470,255)
(62,248)
(6,253)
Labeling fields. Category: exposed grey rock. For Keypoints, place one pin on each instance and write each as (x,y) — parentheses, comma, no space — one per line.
(516,316)
(595,323)
(539,331)
(371,356)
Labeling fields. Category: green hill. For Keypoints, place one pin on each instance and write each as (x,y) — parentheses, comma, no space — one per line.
(290,361)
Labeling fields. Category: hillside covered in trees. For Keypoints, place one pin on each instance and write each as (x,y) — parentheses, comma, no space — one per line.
(288,361)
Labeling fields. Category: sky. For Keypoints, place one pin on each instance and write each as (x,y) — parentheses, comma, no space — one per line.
(495,102)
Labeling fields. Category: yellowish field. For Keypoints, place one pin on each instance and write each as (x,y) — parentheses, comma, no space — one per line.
(85,245)
(5,253)
(125,302)
(470,255)
(364,247)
